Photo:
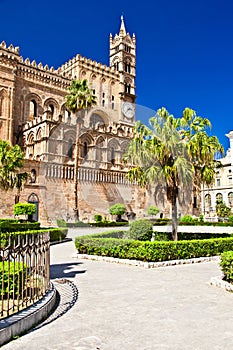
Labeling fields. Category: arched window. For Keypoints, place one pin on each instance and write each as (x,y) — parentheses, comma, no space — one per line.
(208,200)
(85,149)
(219,197)
(112,156)
(70,148)
(33,109)
(51,109)
(230,199)
(33,176)
(127,88)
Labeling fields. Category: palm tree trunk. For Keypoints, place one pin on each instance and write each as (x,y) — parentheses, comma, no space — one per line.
(76,168)
(174,215)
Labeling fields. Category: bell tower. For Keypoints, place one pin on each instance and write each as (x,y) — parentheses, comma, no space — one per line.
(123,59)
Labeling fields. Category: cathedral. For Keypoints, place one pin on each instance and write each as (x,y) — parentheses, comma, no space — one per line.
(33,114)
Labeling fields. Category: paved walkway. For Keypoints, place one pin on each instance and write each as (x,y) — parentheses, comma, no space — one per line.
(123,307)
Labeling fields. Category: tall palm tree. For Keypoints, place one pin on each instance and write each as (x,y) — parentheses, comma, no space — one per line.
(176,152)
(79,98)
(11,161)
(161,156)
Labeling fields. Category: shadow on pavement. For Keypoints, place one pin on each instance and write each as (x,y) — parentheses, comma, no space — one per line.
(67,270)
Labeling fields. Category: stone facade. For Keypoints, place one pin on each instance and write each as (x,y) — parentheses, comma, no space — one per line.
(33,114)
(222,187)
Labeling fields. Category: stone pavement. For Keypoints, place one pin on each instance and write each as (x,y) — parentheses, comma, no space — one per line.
(120,307)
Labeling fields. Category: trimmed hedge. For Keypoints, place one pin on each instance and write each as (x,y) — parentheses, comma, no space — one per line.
(226,265)
(167,236)
(15,226)
(152,251)
(109,223)
(56,234)
(63,223)
(15,273)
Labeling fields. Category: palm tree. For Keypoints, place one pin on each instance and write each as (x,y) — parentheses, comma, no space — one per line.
(80,98)
(160,155)
(11,161)
(176,152)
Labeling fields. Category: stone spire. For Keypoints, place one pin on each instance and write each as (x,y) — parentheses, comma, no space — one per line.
(122,28)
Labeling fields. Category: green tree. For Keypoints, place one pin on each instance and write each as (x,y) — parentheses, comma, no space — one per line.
(118,210)
(152,210)
(169,153)
(79,98)
(11,163)
(222,210)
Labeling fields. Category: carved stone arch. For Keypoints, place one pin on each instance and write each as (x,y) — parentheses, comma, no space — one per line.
(39,134)
(52,106)
(98,118)
(3,102)
(124,146)
(69,143)
(93,76)
(31,138)
(100,140)
(83,73)
(114,143)
(33,106)
(85,142)
(65,113)
(127,80)
(128,59)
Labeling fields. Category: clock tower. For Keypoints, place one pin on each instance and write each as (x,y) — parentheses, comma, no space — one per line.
(123,59)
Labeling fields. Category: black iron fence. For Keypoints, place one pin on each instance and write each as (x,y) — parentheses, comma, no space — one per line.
(24,270)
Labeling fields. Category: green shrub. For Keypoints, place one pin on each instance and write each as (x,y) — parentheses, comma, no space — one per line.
(188,219)
(61,223)
(109,223)
(152,251)
(57,234)
(97,218)
(117,209)
(15,273)
(226,265)
(141,230)
(230,219)
(167,236)
(152,210)
(14,226)
(24,209)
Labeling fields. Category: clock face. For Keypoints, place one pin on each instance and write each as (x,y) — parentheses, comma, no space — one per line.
(128,110)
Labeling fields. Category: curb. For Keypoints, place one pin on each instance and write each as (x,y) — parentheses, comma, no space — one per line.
(220,283)
(22,321)
(147,264)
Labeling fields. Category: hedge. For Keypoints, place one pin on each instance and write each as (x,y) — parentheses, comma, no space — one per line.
(15,276)
(226,265)
(152,251)
(12,226)
(56,234)
(167,236)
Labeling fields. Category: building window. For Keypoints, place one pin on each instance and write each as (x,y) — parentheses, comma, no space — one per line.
(33,109)
(127,88)
(93,91)
(32,179)
(113,105)
(112,156)
(51,109)
(219,197)
(208,200)
(85,150)
(195,202)
(127,67)
(70,148)
(230,180)
(103,103)
(218,182)
(230,199)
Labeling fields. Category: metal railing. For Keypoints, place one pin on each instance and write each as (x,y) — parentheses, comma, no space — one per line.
(24,270)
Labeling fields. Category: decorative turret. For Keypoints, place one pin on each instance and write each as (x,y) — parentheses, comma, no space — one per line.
(123,59)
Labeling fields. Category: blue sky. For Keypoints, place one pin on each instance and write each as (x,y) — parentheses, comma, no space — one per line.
(184,48)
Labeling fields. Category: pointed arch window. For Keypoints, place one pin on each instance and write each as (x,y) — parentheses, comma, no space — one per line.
(51,109)
(33,109)
(85,150)
(230,199)
(219,197)
(70,148)
(127,88)
(112,155)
